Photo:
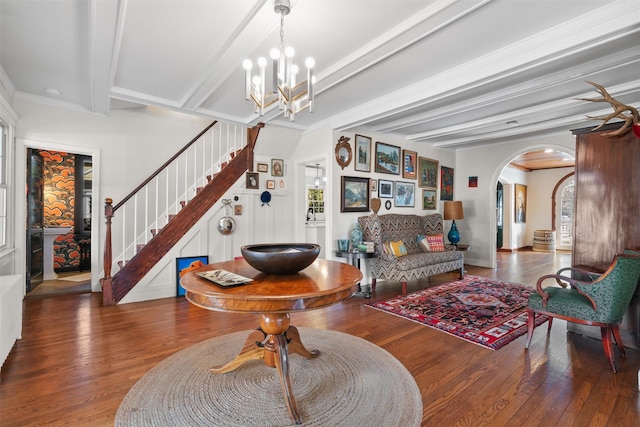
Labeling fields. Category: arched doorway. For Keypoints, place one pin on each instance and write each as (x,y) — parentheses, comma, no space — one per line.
(564,199)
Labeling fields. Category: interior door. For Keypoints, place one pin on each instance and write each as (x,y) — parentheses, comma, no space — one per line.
(35,219)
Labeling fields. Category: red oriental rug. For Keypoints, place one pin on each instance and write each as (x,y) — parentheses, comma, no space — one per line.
(487,312)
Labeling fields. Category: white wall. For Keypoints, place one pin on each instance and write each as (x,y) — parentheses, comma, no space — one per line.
(479,226)
(133,143)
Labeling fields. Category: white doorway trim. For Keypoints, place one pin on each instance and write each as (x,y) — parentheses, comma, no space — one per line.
(21,202)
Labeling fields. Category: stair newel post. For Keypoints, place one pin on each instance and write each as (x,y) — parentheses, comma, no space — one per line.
(252,138)
(107,293)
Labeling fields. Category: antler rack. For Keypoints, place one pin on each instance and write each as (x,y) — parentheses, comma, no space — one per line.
(619,110)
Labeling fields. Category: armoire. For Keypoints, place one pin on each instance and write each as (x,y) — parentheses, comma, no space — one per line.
(607,211)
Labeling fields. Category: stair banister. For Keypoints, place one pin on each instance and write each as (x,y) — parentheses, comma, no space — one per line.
(115,287)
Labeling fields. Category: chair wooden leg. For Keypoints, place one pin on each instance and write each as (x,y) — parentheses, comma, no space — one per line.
(404,288)
(373,284)
(607,345)
(531,322)
(618,338)
(550,323)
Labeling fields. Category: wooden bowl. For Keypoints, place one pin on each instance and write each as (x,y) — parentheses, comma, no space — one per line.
(280,258)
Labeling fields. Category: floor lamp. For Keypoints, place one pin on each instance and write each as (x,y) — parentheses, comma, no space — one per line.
(453,211)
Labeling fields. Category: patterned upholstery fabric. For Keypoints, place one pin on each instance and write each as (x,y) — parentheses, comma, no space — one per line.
(417,264)
(611,292)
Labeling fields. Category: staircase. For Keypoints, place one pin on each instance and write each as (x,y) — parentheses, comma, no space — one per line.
(176,196)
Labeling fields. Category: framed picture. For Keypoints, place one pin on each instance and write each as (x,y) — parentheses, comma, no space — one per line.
(185,265)
(385,189)
(253,180)
(429,199)
(271,184)
(262,167)
(363,154)
(277,167)
(446,183)
(409,164)
(473,182)
(405,194)
(374,185)
(387,158)
(521,203)
(427,173)
(354,194)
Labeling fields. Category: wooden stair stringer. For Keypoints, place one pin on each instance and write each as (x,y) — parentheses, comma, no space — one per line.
(134,270)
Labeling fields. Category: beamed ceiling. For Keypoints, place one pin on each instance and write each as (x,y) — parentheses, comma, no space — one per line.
(454,74)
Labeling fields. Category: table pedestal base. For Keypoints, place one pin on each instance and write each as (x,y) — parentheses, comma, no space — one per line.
(276,339)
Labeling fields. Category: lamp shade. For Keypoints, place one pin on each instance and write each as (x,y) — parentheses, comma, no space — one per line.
(453,210)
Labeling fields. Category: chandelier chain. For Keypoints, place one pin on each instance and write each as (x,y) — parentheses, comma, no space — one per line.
(281,32)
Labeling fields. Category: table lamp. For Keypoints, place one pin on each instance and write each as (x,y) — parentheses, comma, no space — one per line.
(453,211)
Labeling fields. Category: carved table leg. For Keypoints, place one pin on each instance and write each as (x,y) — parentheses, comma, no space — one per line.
(248,352)
(276,354)
(296,346)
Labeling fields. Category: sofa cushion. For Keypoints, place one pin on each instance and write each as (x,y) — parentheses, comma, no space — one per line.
(423,243)
(398,248)
(436,243)
(413,261)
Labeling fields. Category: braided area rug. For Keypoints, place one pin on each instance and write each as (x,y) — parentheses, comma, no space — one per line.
(352,382)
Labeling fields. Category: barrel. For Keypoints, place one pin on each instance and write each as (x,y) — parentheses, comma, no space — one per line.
(544,241)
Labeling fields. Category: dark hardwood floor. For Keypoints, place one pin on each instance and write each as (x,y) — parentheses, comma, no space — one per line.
(78,359)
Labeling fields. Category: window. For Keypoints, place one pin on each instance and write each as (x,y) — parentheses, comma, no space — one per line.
(315,200)
(3,186)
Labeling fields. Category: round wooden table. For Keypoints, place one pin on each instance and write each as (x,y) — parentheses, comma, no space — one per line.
(273,297)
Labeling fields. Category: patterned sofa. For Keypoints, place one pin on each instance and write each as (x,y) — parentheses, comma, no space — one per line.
(416,264)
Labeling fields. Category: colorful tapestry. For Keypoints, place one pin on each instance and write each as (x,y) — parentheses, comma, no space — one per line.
(487,312)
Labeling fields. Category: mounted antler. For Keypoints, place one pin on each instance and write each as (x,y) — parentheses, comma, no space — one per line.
(618,111)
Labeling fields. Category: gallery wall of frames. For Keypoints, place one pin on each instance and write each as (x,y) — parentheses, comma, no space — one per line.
(399,177)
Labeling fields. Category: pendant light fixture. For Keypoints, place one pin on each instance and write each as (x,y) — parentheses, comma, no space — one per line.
(316,181)
(291,97)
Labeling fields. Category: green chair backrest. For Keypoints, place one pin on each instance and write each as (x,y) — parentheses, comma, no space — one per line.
(613,290)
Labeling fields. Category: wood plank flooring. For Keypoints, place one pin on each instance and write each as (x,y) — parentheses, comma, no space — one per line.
(77,359)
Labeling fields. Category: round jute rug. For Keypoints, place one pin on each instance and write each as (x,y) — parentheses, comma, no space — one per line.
(351,383)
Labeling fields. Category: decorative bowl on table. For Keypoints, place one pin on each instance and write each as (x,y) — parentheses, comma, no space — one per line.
(280,258)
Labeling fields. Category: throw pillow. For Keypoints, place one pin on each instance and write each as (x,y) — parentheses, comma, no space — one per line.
(423,243)
(436,243)
(398,248)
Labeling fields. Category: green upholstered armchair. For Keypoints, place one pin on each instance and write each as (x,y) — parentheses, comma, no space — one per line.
(598,300)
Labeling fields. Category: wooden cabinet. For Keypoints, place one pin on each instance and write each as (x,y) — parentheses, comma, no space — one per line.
(607,210)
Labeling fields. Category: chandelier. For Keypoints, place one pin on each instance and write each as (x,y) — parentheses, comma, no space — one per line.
(291,97)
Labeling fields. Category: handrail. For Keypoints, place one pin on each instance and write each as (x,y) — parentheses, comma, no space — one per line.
(152,208)
(163,167)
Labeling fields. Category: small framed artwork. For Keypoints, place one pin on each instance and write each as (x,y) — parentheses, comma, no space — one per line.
(185,265)
(446,183)
(387,158)
(253,180)
(363,154)
(354,194)
(271,184)
(427,173)
(429,199)
(473,181)
(262,167)
(405,194)
(385,189)
(409,164)
(374,185)
(237,210)
(277,167)
(521,203)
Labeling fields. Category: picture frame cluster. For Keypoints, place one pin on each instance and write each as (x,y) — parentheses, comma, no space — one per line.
(384,158)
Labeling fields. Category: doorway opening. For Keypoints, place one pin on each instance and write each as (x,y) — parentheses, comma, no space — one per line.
(59,204)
